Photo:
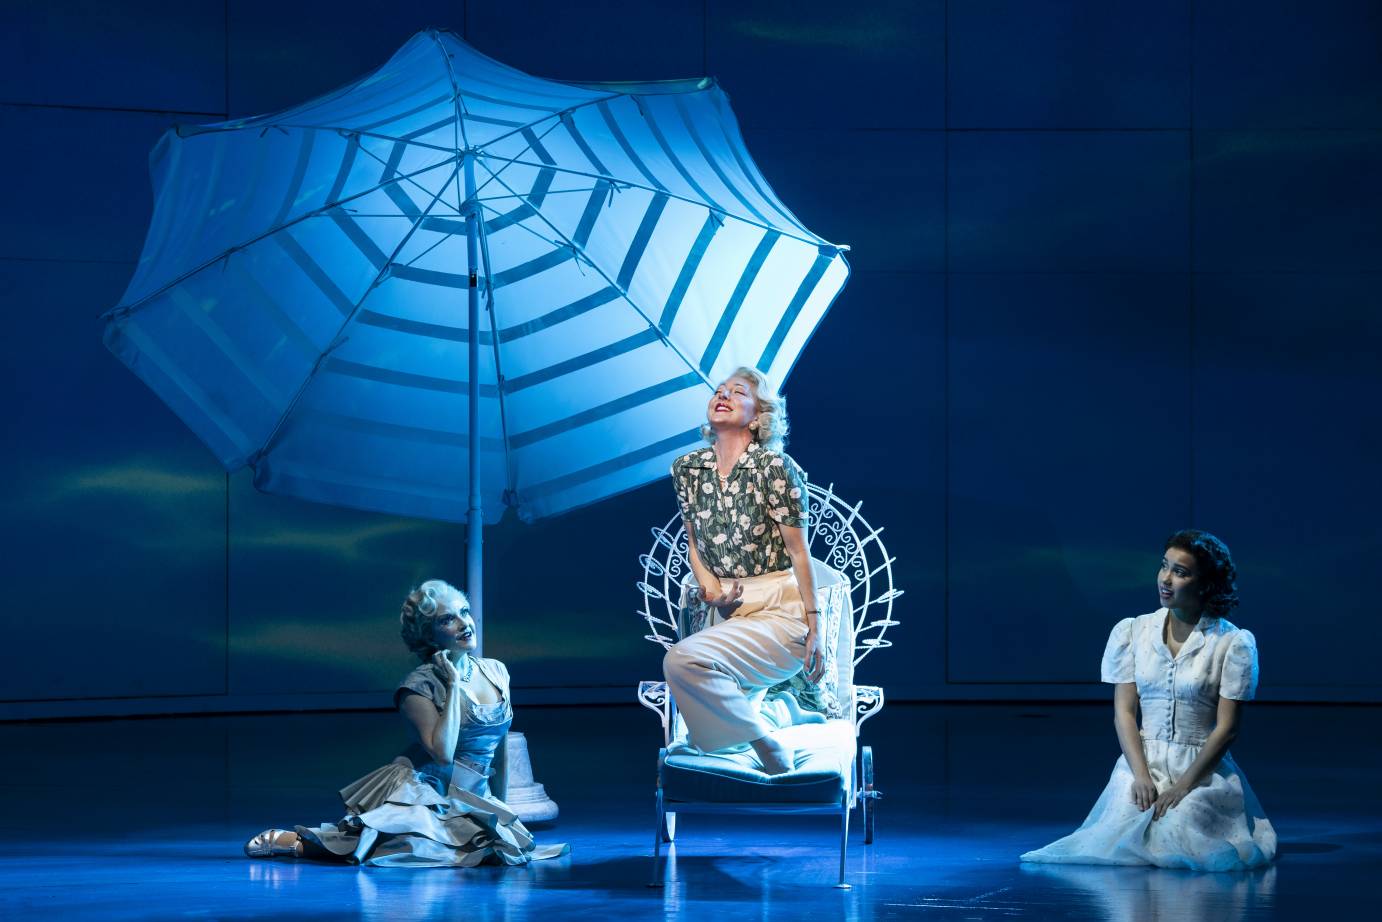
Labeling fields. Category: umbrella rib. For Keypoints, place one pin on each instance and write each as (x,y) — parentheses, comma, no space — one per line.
(564,112)
(526,147)
(580,251)
(478,223)
(510,483)
(528,230)
(556,115)
(456,152)
(459,125)
(409,177)
(511,161)
(126,309)
(423,255)
(682,198)
(338,129)
(340,333)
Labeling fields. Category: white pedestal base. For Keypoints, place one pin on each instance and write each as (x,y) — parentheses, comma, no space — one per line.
(527,798)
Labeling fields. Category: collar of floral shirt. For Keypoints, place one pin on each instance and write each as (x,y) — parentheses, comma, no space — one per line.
(706,458)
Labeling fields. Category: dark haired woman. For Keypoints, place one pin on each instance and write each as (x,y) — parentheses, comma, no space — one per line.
(1176,798)
(439,804)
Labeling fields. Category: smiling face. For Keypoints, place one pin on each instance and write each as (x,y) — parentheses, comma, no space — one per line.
(733,406)
(1178,581)
(454,628)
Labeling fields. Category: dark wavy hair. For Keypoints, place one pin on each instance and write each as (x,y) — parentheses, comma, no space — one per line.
(1218,576)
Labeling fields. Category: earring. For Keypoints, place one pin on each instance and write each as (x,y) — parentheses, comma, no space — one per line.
(753,423)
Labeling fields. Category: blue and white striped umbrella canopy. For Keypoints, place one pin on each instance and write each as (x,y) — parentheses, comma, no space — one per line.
(301,299)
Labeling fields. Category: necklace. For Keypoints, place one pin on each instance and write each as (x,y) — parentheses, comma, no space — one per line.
(469,669)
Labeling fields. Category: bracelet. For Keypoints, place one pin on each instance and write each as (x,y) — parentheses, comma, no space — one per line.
(813,611)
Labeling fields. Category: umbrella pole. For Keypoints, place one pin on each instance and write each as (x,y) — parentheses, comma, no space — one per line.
(528,798)
(474,543)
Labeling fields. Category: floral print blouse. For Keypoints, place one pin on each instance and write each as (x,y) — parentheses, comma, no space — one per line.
(736,520)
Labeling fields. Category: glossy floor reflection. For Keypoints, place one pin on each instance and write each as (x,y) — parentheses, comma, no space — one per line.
(137,819)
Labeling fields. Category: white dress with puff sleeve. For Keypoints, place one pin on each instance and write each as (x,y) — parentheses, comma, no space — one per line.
(1219,826)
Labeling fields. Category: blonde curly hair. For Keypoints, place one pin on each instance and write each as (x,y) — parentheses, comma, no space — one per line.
(769,429)
(419,616)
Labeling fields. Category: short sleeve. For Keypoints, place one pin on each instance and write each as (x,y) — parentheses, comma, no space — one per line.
(680,482)
(1117,667)
(420,682)
(786,491)
(1239,677)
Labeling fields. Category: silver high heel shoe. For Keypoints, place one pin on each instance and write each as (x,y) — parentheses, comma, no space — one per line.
(267,845)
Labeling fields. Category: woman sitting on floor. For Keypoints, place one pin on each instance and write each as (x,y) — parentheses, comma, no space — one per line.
(439,804)
(743,502)
(1176,798)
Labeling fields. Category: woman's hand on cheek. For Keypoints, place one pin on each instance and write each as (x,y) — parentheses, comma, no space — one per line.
(448,669)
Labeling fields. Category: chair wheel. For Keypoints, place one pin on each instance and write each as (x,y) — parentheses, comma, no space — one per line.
(870,802)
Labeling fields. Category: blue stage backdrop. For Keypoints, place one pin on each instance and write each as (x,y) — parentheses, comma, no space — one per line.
(1112,275)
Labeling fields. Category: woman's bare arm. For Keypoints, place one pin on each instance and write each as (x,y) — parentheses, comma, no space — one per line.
(794,537)
(1125,705)
(438,733)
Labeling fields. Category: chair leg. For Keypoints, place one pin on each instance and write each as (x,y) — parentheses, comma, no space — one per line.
(868,797)
(657,843)
(844,840)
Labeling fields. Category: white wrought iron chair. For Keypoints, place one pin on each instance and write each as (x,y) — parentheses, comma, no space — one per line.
(854,576)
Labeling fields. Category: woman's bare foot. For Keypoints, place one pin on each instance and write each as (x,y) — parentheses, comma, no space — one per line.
(776,758)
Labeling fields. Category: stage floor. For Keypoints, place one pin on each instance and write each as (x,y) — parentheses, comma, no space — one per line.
(140,819)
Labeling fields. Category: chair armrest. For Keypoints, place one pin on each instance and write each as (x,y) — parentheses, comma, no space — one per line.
(868,700)
(654,697)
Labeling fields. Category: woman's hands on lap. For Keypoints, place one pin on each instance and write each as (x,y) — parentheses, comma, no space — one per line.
(1168,799)
(724,594)
(1144,793)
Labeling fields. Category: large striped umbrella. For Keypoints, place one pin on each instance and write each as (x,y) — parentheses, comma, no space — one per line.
(451,287)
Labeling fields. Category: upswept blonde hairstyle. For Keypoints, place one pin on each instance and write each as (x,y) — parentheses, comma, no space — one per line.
(419,615)
(770,428)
